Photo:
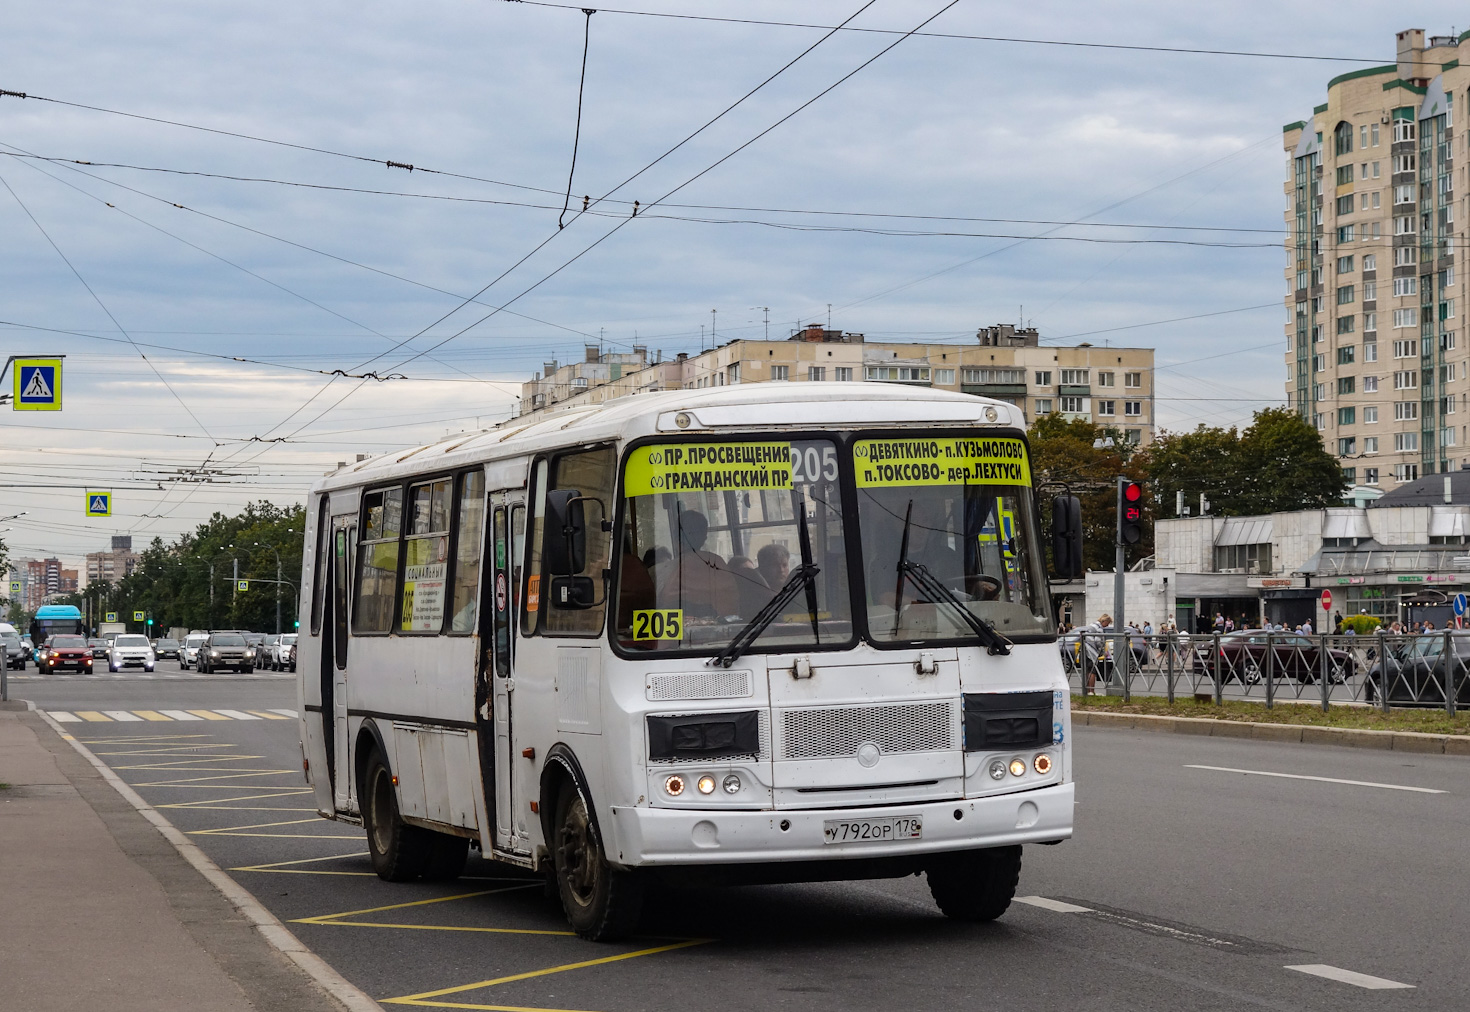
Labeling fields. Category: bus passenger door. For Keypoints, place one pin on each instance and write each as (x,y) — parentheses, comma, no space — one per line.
(344,551)
(506,533)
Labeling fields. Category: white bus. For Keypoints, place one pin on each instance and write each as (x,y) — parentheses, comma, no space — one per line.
(766,632)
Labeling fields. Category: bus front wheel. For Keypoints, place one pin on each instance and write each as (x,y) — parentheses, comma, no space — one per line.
(399,852)
(975,885)
(602,904)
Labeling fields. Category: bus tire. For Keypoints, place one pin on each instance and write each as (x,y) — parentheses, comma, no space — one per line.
(447,856)
(602,903)
(976,885)
(399,852)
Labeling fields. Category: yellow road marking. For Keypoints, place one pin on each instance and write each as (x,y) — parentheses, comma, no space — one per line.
(94,716)
(399,906)
(268,715)
(152,715)
(181,763)
(220,802)
(302,860)
(200,781)
(208,714)
(138,739)
(226,830)
(423,999)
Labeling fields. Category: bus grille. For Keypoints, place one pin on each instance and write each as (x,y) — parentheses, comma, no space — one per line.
(907,727)
(702,685)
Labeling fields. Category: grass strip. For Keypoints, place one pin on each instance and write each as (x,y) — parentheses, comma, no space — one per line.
(1360,717)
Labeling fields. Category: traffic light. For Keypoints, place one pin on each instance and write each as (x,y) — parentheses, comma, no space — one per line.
(1130,512)
(298,623)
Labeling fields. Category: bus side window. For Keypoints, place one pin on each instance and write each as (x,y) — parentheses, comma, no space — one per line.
(470,533)
(382,516)
(323,550)
(501,576)
(531,599)
(592,473)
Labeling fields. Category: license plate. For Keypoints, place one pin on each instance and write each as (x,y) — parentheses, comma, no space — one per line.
(901,827)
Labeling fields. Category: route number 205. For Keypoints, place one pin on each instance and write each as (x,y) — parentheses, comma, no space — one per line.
(658,624)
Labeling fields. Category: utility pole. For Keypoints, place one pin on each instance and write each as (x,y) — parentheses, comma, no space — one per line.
(235,595)
(278,594)
(713,340)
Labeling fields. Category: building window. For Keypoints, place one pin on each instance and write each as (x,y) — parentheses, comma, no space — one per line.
(1133,409)
(816,373)
(1134,436)
(1105,408)
(1350,475)
(1319,363)
(1345,233)
(1405,256)
(1043,379)
(1370,444)
(1319,392)
(1243,558)
(1345,354)
(1404,442)
(1012,377)
(1370,291)
(1406,349)
(1447,436)
(1347,447)
(897,373)
(1405,318)
(1345,295)
(1345,324)
(780,372)
(1447,343)
(1403,193)
(1133,380)
(1345,204)
(1407,380)
(1074,405)
(1342,142)
(844,374)
(1345,385)
(1319,421)
(732,373)
(1370,323)
(944,377)
(1104,379)
(1043,406)
(1345,265)
(1405,286)
(1074,377)
(1404,224)
(1404,411)
(1370,263)
(1370,476)
(1370,415)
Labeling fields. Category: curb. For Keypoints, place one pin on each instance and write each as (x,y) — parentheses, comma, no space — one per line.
(266,923)
(1211,727)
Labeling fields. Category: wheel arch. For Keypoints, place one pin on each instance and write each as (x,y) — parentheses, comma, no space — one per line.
(563,767)
(369,739)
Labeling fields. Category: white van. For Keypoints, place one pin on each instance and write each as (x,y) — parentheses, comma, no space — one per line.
(189,650)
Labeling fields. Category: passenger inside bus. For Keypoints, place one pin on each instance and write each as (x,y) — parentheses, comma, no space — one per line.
(696,580)
(929,533)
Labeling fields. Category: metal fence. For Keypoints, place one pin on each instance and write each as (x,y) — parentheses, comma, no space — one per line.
(1381,670)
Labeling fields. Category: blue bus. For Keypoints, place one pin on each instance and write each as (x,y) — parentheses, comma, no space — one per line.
(55,618)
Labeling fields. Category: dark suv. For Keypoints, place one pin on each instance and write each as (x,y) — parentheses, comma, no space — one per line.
(226,650)
(15,651)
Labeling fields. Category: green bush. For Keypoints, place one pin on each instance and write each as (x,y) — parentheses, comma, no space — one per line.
(1362,625)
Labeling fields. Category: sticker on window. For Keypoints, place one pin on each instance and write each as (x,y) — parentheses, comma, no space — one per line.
(707,467)
(658,624)
(886,463)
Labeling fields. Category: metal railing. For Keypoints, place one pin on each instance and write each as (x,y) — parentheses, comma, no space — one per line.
(1380,670)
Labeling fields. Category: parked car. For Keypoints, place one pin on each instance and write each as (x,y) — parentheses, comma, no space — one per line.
(131,651)
(30,646)
(68,652)
(98,646)
(256,642)
(265,652)
(226,650)
(280,659)
(291,657)
(15,651)
(166,648)
(1416,670)
(1243,658)
(189,652)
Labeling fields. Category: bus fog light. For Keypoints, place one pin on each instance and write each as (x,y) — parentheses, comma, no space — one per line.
(997,770)
(706,784)
(1018,767)
(674,785)
(732,784)
(1042,764)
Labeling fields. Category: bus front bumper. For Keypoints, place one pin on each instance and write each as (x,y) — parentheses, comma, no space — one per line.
(666,837)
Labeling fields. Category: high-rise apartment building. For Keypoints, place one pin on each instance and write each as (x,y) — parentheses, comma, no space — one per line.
(1112,387)
(112,566)
(1375,296)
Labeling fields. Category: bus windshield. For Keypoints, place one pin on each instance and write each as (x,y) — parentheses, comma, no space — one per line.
(715,530)
(958,510)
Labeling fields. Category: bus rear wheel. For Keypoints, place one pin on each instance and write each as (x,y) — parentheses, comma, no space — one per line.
(447,857)
(602,904)
(975,885)
(399,852)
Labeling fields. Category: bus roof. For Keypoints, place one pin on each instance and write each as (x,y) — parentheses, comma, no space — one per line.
(57,611)
(761,406)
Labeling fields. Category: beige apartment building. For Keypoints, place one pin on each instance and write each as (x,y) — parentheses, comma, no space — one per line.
(1374,358)
(1113,387)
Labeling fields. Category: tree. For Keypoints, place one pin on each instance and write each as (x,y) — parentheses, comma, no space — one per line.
(1065,460)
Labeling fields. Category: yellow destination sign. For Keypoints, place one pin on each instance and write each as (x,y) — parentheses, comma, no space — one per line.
(707,467)
(886,463)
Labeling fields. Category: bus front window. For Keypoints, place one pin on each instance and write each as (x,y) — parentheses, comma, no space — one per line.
(962,511)
(714,530)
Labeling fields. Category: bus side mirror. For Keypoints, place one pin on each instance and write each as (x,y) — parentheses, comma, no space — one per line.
(1066,536)
(565,547)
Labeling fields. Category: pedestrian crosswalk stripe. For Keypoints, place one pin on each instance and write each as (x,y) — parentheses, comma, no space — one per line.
(105,716)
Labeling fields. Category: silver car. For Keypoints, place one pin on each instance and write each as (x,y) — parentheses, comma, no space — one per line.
(131,651)
(226,650)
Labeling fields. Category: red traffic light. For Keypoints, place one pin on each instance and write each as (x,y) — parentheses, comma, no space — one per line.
(1133,491)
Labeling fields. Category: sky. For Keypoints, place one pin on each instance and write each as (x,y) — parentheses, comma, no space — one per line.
(258,300)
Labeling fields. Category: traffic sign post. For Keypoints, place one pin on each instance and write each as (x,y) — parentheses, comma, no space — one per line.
(110,616)
(137,616)
(1326,600)
(99,504)
(37,383)
(242,585)
(1460,603)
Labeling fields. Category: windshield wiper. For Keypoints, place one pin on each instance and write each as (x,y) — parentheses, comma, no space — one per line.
(804,576)
(986,633)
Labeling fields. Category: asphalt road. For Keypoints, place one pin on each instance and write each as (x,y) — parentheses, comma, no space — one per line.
(1197,888)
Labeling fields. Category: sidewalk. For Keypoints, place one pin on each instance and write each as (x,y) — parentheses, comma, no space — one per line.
(98,909)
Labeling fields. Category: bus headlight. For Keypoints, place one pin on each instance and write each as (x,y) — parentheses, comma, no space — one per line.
(1018,767)
(674,785)
(1042,764)
(706,784)
(997,770)
(732,784)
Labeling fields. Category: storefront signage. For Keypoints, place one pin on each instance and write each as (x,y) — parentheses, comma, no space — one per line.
(1411,579)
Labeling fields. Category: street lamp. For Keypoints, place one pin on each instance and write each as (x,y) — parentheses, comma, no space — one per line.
(278,583)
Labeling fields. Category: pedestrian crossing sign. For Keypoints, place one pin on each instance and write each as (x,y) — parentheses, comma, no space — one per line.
(242,584)
(15,586)
(111,617)
(137,616)
(37,384)
(99,504)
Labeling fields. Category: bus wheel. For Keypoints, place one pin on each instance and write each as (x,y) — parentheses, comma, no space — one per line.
(975,885)
(601,903)
(447,856)
(399,851)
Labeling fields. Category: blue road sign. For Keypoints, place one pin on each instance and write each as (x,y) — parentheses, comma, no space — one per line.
(99,504)
(1460,604)
(37,384)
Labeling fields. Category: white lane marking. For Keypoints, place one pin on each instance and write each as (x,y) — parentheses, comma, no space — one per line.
(64,717)
(122,715)
(1348,976)
(179,715)
(1324,780)
(284,713)
(1050,904)
(239,715)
